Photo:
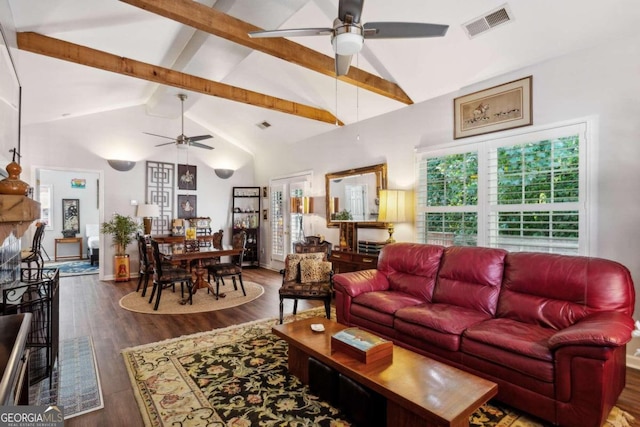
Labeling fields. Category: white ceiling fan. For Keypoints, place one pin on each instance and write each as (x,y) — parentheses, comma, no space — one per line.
(183,141)
(348,33)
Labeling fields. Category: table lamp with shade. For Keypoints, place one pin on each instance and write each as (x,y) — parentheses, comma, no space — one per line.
(302,206)
(147,212)
(393,208)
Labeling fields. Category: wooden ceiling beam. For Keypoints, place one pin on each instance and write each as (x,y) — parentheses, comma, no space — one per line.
(214,22)
(60,49)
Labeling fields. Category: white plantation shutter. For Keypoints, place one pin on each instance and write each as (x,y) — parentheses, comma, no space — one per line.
(522,193)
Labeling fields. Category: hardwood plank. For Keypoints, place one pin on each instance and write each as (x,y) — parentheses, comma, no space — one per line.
(60,49)
(214,22)
(90,307)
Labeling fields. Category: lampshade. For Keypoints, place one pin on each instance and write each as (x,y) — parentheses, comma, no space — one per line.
(303,205)
(148,211)
(121,165)
(393,206)
(224,173)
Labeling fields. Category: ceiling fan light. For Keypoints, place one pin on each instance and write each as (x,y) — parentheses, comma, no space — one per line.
(347,43)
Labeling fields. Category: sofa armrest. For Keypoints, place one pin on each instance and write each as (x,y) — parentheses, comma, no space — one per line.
(358,282)
(609,329)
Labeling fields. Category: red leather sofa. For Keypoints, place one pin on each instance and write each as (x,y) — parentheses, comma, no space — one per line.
(550,330)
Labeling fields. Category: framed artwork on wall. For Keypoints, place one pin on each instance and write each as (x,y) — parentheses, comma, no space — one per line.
(502,107)
(70,217)
(187,177)
(187,206)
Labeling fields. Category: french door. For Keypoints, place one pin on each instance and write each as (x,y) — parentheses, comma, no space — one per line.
(286,226)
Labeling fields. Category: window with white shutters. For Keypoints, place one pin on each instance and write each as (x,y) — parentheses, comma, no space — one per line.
(520,193)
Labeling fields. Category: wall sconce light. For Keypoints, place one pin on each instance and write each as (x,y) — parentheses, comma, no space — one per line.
(224,173)
(121,165)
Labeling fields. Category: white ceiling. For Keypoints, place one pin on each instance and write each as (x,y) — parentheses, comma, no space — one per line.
(423,68)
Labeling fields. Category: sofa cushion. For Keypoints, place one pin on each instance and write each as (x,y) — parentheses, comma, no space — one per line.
(558,290)
(445,319)
(470,277)
(386,301)
(520,346)
(411,268)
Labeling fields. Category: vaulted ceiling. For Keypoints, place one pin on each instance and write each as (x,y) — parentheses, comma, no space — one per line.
(81,57)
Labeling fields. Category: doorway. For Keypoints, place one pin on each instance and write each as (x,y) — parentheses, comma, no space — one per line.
(286,225)
(56,187)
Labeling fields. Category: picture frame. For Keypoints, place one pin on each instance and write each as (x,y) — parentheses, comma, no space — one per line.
(70,217)
(498,108)
(187,177)
(187,206)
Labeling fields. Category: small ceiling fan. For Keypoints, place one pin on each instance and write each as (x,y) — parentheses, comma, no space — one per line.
(183,141)
(348,34)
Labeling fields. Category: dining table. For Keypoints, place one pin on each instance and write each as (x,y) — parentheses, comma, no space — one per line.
(177,254)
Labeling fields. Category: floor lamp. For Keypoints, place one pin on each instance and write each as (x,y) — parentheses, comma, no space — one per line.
(393,208)
(147,213)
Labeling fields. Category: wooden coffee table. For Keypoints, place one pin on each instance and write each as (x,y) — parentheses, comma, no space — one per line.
(419,391)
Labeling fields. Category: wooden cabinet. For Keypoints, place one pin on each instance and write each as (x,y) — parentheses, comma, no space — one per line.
(344,261)
(246,217)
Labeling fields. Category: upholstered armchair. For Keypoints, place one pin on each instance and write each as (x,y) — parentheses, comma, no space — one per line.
(306,276)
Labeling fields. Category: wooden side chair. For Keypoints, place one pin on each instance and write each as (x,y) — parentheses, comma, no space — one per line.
(34,253)
(306,276)
(146,266)
(168,277)
(231,269)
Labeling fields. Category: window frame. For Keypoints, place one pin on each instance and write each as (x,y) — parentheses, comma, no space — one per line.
(587,172)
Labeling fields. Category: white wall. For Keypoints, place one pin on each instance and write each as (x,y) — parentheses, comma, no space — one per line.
(602,83)
(86,142)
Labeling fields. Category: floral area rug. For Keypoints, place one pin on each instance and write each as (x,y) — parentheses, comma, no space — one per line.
(238,377)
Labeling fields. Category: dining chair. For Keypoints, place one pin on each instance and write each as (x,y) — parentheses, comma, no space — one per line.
(168,277)
(231,269)
(146,266)
(306,276)
(34,253)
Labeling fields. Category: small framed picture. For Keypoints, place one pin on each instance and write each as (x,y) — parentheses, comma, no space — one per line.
(70,217)
(502,107)
(187,177)
(187,206)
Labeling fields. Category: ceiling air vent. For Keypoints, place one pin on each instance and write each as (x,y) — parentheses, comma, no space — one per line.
(488,21)
(264,125)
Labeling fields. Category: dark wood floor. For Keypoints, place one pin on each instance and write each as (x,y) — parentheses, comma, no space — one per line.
(90,307)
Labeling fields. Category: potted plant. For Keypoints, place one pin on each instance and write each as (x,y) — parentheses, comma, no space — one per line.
(122,230)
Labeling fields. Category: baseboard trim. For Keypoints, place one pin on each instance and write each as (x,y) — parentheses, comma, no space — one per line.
(633,361)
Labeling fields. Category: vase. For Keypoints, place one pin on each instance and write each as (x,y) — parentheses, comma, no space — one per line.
(121,268)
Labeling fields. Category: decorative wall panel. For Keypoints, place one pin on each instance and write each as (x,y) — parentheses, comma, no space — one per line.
(160,191)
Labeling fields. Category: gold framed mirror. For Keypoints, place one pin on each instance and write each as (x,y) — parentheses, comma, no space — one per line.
(354,196)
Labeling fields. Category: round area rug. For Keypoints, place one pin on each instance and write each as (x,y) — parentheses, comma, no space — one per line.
(202,301)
